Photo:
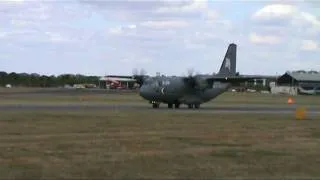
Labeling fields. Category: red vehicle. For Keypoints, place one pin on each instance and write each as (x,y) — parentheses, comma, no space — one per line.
(118,82)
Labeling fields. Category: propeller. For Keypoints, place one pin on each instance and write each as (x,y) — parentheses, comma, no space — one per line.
(191,79)
(195,80)
(139,76)
(190,72)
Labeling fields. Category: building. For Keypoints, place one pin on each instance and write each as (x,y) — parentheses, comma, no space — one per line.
(257,83)
(298,82)
(117,82)
(260,80)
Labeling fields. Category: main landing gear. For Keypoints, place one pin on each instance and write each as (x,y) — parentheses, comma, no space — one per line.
(176,105)
(196,106)
(170,105)
(156,105)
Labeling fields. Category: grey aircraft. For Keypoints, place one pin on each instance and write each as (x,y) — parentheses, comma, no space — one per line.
(191,90)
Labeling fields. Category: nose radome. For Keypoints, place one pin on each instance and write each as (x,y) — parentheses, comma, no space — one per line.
(142,91)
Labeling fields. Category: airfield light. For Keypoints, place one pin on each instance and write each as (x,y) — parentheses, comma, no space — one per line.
(301,113)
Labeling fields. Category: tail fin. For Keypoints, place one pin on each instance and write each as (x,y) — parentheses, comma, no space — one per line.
(228,67)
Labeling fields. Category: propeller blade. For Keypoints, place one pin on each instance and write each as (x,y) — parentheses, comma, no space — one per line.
(139,76)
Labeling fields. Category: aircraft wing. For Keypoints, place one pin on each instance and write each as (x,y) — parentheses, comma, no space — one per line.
(203,81)
(238,78)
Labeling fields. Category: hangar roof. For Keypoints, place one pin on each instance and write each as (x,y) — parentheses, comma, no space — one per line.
(117,79)
(305,76)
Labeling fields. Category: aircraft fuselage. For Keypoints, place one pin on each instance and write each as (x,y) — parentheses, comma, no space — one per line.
(172,90)
(190,90)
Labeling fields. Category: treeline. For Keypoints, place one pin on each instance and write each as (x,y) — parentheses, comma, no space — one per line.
(36,80)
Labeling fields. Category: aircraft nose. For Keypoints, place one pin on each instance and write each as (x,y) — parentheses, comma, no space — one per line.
(143,91)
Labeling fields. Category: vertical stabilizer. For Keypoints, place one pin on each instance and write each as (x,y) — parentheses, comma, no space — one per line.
(228,67)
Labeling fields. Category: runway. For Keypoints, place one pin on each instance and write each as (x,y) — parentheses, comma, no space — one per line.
(129,106)
(239,108)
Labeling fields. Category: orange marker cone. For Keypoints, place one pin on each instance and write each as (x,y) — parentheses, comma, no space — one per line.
(290,100)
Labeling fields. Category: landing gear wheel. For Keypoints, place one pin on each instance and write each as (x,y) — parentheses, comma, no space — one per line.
(170,105)
(197,106)
(190,106)
(155,105)
(177,105)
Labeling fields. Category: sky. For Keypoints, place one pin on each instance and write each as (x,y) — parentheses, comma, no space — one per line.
(103,37)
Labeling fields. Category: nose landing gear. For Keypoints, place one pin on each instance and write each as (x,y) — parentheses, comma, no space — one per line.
(155,104)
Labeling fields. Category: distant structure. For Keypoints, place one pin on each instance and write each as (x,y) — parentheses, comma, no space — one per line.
(298,82)
(291,82)
(261,83)
(117,82)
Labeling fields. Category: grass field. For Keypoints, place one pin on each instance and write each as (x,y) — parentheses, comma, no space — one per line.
(114,144)
(166,144)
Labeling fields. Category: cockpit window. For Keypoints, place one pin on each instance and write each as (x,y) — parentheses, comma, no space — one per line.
(148,81)
(151,81)
(156,82)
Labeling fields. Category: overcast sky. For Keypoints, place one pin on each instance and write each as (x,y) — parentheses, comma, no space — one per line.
(168,36)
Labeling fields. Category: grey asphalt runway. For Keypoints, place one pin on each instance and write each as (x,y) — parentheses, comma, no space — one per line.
(208,108)
(146,107)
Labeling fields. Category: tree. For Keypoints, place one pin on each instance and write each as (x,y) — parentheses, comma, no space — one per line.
(36,80)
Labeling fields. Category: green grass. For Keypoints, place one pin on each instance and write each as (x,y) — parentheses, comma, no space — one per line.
(128,144)
(159,145)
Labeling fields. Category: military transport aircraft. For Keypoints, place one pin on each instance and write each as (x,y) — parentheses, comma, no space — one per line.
(191,90)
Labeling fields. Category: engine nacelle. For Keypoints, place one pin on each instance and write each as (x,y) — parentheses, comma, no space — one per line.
(201,83)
